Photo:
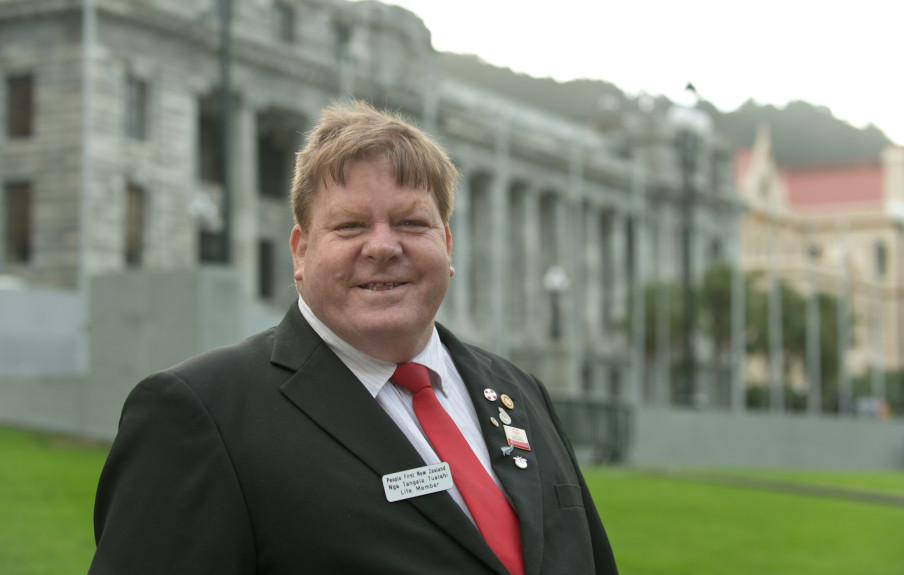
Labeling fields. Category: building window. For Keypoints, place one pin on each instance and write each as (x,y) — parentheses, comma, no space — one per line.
(210,247)
(881,260)
(266,268)
(343,36)
(273,173)
(18,206)
(814,252)
(19,105)
(134,225)
(284,22)
(136,109)
(210,149)
(716,250)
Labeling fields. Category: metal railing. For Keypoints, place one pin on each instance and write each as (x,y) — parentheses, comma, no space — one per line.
(600,430)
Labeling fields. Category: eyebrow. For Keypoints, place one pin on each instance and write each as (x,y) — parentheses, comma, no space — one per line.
(412,207)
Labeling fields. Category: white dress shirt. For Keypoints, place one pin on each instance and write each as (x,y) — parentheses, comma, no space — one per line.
(374,374)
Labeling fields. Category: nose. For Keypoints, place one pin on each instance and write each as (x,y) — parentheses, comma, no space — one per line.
(381,244)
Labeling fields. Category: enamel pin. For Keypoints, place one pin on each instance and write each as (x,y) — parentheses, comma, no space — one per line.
(507,450)
(507,401)
(494,422)
(504,417)
(520,462)
(516,438)
(489,394)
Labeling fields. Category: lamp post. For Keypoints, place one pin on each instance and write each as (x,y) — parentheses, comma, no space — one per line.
(691,125)
(895,211)
(556,282)
(226,124)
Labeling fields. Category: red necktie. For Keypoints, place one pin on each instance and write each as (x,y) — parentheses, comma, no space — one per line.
(494,516)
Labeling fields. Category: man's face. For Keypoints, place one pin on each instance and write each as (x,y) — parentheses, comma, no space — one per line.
(375,262)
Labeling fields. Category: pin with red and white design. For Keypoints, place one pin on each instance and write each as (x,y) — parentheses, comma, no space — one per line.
(516,437)
(489,394)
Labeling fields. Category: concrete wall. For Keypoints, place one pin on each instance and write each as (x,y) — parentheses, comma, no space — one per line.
(140,322)
(673,437)
(41,332)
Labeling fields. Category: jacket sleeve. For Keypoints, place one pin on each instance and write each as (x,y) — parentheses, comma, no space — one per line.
(168,500)
(603,557)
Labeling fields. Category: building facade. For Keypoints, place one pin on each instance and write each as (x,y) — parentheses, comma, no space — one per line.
(112,160)
(837,230)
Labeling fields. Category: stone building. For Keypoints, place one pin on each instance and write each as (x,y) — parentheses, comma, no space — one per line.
(111,161)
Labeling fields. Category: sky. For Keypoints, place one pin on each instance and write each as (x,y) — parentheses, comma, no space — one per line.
(842,55)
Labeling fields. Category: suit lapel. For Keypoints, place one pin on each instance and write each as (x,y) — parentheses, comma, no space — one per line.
(522,485)
(329,393)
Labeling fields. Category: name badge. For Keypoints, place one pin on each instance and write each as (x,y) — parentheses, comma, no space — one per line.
(417,482)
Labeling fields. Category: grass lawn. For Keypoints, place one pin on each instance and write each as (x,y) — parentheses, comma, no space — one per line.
(657,524)
(661,525)
(46,503)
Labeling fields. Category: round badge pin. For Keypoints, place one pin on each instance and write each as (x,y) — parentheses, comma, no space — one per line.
(520,462)
(489,394)
(494,422)
(507,401)
(504,417)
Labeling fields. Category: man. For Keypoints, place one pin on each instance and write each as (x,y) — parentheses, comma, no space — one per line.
(358,436)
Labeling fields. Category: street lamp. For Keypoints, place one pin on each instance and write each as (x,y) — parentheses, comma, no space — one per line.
(691,125)
(556,282)
(895,211)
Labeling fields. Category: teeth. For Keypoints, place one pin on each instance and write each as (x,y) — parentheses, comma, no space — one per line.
(380,286)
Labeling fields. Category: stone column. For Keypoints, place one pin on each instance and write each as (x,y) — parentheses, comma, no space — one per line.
(618,247)
(571,224)
(536,298)
(664,273)
(516,297)
(245,197)
(459,290)
(593,285)
(635,392)
(499,238)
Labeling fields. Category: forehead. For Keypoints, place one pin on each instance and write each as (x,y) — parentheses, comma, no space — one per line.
(371,183)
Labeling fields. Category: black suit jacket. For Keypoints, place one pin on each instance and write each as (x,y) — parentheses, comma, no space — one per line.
(267,457)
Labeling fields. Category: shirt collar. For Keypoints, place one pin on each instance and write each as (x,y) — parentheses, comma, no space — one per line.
(372,372)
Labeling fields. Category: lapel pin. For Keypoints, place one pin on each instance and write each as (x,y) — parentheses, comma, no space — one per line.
(520,462)
(507,450)
(507,401)
(490,394)
(494,422)
(504,416)
(517,438)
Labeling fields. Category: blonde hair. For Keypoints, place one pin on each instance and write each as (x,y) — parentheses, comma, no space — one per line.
(356,131)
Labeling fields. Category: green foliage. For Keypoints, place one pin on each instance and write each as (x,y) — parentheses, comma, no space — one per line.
(794,333)
(758,397)
(802,134)
(862,386)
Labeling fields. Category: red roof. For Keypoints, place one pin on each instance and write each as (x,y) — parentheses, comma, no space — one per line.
(828,186)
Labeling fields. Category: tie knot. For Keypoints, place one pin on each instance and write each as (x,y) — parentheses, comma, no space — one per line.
(412,376)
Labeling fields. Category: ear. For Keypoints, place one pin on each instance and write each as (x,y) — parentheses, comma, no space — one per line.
(449,250)
(298,242)
(448,241)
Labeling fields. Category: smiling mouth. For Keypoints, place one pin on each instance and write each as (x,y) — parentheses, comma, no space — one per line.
(380,286)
